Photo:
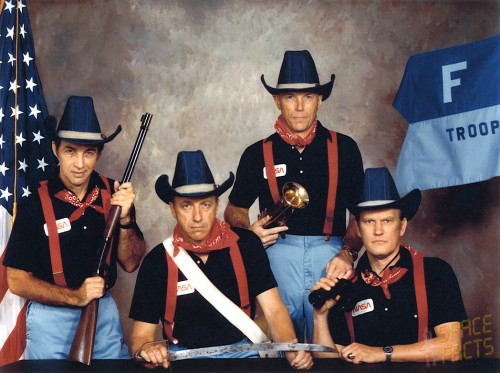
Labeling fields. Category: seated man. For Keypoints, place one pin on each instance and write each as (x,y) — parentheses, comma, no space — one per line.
(232,259)
(406,307)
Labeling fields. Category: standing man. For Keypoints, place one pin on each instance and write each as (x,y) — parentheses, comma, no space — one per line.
(52,251)
(230,259)
(404,307)
(326,163)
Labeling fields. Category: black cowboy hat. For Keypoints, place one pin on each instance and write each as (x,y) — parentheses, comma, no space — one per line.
(192,179)
(298,74)
(79,124)
(379,192)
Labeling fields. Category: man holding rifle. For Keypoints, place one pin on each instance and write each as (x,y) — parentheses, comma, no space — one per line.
(202,282)
(52,251)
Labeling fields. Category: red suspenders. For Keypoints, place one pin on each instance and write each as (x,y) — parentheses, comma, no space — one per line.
(332,148)
(55,247)
(50,220)
(270,172)
(420,294)
(172,279)
(171,297)
(333,178)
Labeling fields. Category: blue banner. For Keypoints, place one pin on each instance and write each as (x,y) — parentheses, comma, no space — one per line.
(451,99)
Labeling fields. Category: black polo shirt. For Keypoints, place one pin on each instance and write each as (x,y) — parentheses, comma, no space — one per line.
(196,322)
(310,169)
(28,246)
(394,321)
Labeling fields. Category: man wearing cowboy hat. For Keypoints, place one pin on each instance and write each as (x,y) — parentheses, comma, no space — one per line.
(232,259)
(326,163)
(403,307)
(52,251)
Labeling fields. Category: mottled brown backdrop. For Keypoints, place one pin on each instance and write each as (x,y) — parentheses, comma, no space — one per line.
(195,65)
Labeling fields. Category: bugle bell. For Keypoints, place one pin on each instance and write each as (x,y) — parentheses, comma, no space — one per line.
(294,196)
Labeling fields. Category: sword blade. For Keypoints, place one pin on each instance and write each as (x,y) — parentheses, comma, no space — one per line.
(216,350)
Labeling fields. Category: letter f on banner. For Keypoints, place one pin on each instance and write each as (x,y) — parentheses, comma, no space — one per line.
(448,82)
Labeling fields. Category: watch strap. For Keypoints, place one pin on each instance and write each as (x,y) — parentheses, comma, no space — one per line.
(388,353)
(352,252)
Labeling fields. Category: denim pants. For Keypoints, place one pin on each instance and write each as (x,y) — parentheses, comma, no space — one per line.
(51,329)
(298,262)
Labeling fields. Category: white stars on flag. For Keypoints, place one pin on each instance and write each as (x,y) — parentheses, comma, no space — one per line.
(42,164)
(30,84)
(34,111)
(37,137)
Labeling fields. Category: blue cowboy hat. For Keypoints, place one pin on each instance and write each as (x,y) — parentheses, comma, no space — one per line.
(298,74)
(380,193)
(79,124)
(192,179)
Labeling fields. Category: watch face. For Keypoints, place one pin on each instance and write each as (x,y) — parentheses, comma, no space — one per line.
(388,349)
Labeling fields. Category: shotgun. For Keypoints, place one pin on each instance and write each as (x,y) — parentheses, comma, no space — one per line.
(83,342)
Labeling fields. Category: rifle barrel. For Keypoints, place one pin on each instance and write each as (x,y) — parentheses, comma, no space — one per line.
(83,341)
(145,121)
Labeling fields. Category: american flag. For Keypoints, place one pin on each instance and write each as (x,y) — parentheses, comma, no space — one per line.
(25,153)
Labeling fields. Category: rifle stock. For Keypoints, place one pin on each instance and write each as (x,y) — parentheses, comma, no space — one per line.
(83,342)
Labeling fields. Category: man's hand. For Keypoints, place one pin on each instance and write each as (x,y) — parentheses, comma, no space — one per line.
(299,359)
(326,284)
(267,236)
(153,355)
(340,266)
(238,217)
(124,197)
(357,353)
(92,288)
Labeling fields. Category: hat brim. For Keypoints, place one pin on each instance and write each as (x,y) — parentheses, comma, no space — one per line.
(324,90)
(166,193)
(81,141)
(408,204)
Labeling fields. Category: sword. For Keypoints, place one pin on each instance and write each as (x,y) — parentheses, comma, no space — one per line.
(261,347)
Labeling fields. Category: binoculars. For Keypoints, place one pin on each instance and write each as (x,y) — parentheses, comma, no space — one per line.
(344,288)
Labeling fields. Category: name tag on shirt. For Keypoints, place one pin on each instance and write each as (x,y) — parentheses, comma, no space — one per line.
(279,170)
(362,307)
(184,287)
(63,225)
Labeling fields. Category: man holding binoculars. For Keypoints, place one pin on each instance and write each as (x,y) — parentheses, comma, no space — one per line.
(403,307)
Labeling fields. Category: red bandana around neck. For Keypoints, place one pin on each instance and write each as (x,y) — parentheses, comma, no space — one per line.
(69,197)
(390,276)
(282,130)
(220,237)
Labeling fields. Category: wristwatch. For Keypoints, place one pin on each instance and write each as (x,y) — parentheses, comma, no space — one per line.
(130,225)
(388,353)
(353,253)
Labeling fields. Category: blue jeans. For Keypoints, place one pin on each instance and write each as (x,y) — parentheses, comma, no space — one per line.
(298,262)
(51,329)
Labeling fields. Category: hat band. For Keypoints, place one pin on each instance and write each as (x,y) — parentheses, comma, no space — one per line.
(196,188)
(79,135)
(375,203)
(296,86)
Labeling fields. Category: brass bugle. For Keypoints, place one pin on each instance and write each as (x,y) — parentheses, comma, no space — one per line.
(294,196)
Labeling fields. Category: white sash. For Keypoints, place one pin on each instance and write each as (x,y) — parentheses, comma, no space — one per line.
(214,296)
